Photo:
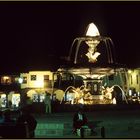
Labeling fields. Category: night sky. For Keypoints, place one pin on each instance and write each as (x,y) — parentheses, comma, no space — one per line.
(35,35)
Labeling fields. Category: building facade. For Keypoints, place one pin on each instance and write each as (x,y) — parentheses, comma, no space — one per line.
(9,91)
(35,83)
(134,79)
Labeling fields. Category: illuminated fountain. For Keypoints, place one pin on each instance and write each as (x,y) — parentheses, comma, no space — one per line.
(92,39)
(92,65)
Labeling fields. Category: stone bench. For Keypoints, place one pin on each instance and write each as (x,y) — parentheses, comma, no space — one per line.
(53,129)
(49,129)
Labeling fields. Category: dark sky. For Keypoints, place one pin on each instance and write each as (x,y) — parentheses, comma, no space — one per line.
(34,35)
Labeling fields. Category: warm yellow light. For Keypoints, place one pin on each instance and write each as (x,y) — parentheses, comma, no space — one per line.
(5,77)
(31,92)
(92,57)
(39,84)
(129,71)
(3,95)
(92,30)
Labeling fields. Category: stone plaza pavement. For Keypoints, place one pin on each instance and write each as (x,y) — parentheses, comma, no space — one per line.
(117,123)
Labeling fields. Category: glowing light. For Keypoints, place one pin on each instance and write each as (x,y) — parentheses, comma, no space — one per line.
(129,71)
(5,77)
(4,101)
(130,92)
(39,84)
(16,100)
(92,57)
(20,80)
(92,30)
(114,101)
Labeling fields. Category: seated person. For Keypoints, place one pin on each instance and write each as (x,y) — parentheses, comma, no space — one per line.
(79,120)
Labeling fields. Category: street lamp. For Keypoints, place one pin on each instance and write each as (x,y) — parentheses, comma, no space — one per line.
(20,80)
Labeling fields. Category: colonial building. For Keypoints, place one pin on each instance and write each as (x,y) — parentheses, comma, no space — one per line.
(9,91)
(36,79)
(35,83)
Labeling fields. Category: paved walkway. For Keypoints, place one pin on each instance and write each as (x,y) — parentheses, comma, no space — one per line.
(117,124)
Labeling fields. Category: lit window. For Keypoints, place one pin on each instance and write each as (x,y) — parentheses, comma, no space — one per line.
(6,80)
(35,97)
(46,77)
(33,77)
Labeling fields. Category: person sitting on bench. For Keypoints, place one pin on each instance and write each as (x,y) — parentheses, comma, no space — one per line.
(79,120)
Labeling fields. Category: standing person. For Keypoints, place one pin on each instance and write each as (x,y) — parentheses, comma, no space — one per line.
(26,117)
(28,103)
(47,102)
(79,120)
(10,99)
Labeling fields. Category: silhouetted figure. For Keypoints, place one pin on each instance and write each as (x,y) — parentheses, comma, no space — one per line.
(7,117)
(26,117)
(5,122)
(134,93)
(1,117)
(79,120)
(117,94)
(29,103)
(0,102)
(103,132)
